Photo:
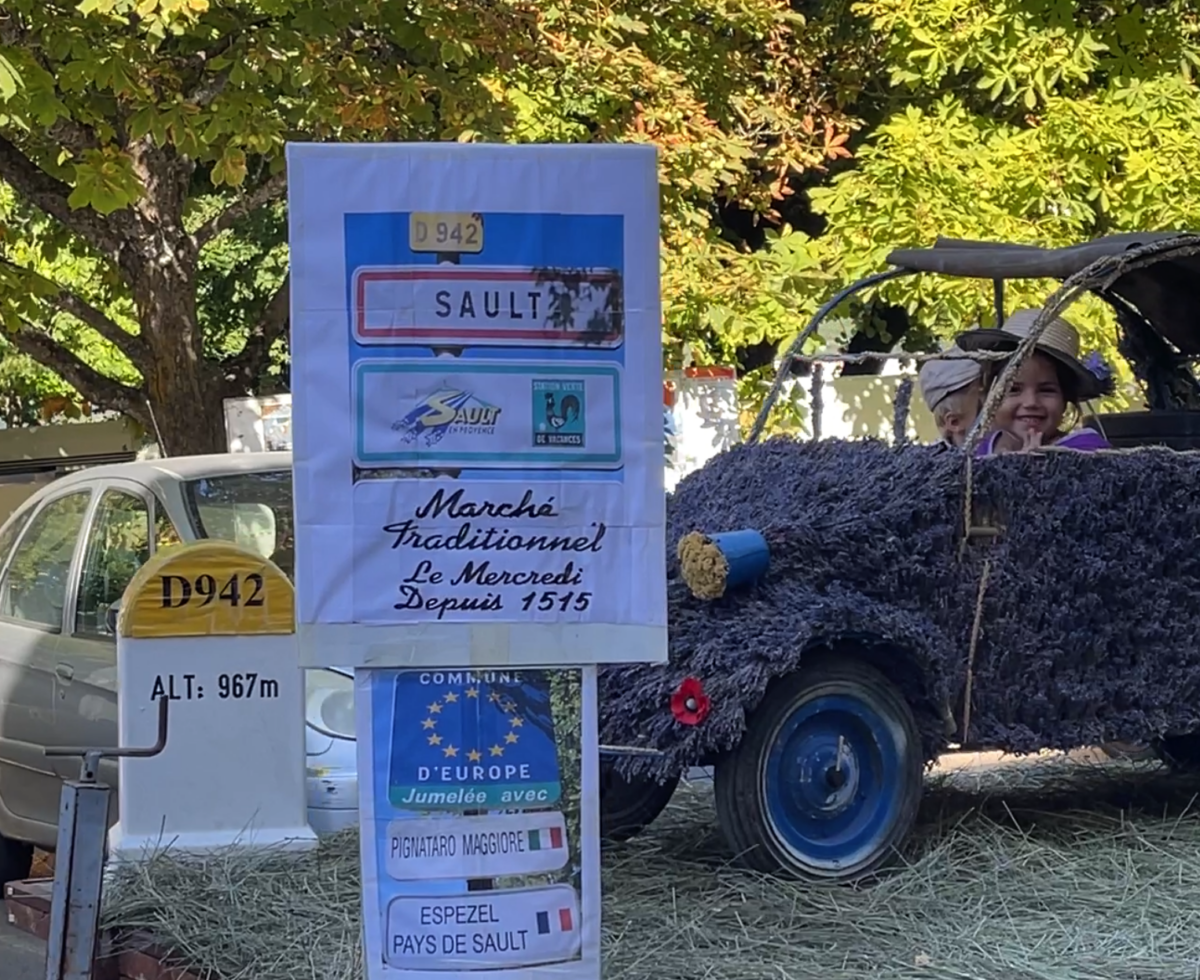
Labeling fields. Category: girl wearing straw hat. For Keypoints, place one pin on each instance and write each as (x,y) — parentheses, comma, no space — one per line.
(1050,380)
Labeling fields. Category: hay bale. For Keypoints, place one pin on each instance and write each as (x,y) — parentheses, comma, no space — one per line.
(1007,877)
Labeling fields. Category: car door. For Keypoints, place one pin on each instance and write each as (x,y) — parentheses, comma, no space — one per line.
(33,596)
(117,542)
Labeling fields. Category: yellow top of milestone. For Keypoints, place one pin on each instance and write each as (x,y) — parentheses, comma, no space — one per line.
(208,588)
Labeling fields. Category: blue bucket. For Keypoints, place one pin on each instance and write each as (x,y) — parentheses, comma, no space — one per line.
(747,554)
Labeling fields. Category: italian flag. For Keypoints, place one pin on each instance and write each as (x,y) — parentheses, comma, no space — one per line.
(541,840)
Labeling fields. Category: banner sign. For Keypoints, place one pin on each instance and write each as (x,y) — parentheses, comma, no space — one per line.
(476,358)
(480,824)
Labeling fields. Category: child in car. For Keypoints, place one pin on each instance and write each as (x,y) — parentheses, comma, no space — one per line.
(1051,381)
(953,392)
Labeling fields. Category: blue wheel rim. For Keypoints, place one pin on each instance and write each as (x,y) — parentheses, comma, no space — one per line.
(833,814)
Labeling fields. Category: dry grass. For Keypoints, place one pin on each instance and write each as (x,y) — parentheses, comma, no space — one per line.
(1046,870)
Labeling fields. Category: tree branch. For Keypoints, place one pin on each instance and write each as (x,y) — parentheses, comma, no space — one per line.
(244,369)
(264,194)
(130,344)
(205,94)
(73,135)
(208,87)
(49,194)
(65,301)
(97,388)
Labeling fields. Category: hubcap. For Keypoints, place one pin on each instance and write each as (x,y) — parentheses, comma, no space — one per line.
(832,783)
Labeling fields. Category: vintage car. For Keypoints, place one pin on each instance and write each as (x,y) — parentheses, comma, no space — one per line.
(842,612)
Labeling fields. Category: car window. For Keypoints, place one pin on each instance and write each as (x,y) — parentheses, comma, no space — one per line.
(9,537)
(253,510)
(35,586)
(165,533)
(118,544)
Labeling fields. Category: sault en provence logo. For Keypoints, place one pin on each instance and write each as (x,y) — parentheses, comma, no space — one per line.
(447,410)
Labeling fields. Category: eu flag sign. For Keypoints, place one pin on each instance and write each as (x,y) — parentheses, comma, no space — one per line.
(473,740)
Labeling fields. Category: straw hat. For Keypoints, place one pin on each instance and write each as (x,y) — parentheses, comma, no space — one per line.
(941,378)
(1060,340)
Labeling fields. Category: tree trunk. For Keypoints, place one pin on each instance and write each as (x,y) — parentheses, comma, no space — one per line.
(185,411)
(181,399)
(184,418)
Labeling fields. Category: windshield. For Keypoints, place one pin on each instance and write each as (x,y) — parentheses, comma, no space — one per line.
(253,510)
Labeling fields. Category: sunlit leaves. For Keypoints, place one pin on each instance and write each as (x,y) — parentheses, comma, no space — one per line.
(10,81)
(230,169)
(120,98)
(104,181)
(1048,123)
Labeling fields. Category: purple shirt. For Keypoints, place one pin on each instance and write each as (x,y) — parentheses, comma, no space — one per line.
(1083,440)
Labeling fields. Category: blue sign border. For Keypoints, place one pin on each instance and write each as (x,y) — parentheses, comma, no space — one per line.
(549,460)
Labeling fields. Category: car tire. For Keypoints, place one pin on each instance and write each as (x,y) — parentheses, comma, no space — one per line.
(784,803)
(16,860)
(629,806)
(1180,752)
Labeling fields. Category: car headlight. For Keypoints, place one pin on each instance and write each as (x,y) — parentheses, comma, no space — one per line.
(329,703)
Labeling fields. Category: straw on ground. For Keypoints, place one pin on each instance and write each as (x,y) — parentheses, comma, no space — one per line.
(1045,870)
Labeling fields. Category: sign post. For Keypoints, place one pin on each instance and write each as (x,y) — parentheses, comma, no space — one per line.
(477,424)
(211,627)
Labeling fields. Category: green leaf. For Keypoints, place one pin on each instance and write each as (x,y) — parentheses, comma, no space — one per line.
(10,81)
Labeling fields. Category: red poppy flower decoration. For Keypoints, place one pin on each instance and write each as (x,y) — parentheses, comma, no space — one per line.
(689,704)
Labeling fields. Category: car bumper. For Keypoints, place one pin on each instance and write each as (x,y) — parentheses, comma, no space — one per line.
(332,784)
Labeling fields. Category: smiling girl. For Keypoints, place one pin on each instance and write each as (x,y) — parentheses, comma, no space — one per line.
(1050,380)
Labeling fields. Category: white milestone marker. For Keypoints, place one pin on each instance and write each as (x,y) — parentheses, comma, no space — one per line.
(210,626)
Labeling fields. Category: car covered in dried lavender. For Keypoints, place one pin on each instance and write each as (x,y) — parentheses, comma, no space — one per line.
(843,612)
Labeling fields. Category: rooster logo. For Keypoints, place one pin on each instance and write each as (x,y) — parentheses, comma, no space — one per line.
(559,414)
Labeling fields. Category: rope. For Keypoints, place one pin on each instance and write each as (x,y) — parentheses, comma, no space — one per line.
(976,628)
(862,358)
(968,504)
(817,407)
(1097,277)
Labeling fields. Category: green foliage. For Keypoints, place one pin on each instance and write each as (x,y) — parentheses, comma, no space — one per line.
(1037,121)
(112,107)
(130,129)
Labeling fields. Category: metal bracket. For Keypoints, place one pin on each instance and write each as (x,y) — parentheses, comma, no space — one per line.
(92,757)
(79,856)
(981,531)
(611,750)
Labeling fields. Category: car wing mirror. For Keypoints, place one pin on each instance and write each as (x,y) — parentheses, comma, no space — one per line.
(110,617)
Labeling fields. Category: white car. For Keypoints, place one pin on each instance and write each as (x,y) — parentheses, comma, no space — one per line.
(66,556)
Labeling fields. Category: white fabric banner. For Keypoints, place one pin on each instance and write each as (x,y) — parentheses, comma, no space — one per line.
(477,371)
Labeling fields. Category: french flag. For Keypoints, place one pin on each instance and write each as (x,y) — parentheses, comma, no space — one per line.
(564,919)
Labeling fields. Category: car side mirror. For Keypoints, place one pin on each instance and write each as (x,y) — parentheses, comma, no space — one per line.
(110,617)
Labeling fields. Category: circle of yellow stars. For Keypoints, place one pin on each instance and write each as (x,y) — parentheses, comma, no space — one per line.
(450,751)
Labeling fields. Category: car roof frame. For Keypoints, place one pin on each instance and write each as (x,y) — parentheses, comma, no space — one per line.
(1141,275)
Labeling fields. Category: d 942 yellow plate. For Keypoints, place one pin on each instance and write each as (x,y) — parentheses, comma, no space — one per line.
(445,231)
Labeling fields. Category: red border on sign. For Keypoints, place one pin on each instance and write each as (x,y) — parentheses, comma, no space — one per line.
(445,274)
